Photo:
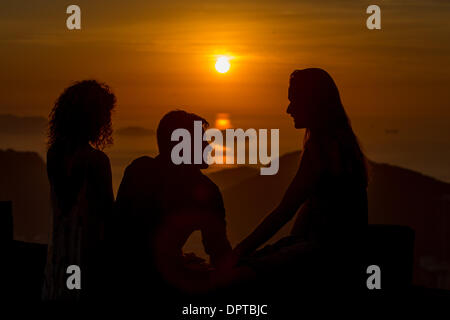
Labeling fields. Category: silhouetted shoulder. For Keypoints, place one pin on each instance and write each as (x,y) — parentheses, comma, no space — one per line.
(138,179)
(96,162)
(98,158)
(143,161)
(141,165)
(209,184)
(85,154)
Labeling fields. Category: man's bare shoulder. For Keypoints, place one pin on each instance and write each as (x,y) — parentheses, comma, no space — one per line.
(142,162)
(141,167)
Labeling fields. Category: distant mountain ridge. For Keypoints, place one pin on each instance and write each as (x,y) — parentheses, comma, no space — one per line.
(12,124)
(135,131)
(24,182)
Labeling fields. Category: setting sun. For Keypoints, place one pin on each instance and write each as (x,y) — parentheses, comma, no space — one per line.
(223,64)
(223,121)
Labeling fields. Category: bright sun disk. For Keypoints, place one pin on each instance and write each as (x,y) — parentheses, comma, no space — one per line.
(223,64)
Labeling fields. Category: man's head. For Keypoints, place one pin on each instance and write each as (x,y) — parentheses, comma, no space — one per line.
(178,119)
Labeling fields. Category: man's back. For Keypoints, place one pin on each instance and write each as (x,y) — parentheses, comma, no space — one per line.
(159,205)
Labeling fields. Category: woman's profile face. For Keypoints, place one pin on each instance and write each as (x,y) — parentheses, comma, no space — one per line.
(298,109)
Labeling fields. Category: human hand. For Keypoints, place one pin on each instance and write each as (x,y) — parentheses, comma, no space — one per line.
(229,261)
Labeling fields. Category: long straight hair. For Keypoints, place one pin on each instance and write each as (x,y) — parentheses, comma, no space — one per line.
(327,117)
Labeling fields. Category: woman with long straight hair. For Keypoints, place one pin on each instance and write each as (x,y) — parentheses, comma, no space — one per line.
(328,192)
(81,190)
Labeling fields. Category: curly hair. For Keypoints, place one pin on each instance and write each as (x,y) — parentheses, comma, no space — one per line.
(82,114)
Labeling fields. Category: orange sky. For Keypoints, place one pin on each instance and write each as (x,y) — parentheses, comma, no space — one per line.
(158,55)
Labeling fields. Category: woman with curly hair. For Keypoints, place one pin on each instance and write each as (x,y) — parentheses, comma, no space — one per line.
(81,188)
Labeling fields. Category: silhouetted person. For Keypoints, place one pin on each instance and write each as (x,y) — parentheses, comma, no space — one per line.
(81,188)
(159,205)
(328,192)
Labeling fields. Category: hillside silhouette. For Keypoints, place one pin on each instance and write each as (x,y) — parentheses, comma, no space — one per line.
(24,182)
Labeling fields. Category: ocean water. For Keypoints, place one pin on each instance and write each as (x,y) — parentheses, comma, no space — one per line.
(420,144)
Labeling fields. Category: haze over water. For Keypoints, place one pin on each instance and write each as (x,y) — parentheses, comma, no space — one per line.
(419,144)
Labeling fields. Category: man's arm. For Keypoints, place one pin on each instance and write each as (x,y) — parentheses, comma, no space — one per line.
(214,235)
